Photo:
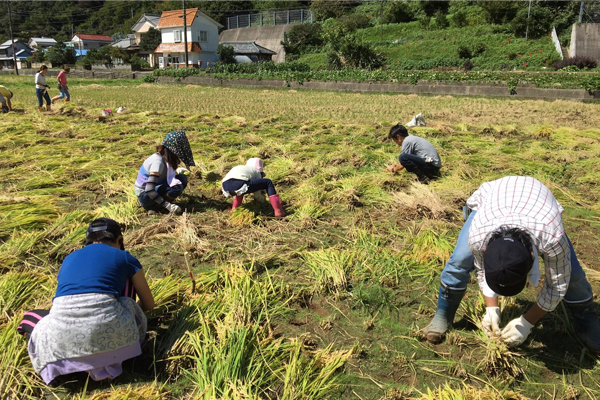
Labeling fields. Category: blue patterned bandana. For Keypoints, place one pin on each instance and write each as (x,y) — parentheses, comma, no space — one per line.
(178,143)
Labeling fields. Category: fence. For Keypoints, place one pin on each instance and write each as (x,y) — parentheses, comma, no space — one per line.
(270,18)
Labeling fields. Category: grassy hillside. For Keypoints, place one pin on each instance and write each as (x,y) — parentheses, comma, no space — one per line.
(409,46)
(327,303)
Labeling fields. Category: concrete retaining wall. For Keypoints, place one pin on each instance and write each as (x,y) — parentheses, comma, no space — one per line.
(585,41)
(525,91)
(266,36)
(105,74)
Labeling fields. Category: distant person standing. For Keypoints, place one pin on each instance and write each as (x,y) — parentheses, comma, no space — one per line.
(5,97)
(41,88)
(62,85)
(417,156)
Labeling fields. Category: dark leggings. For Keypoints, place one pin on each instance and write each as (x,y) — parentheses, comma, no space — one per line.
(413,163)
(254,185)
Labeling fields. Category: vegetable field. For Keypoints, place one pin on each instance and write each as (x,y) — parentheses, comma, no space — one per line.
(327,303)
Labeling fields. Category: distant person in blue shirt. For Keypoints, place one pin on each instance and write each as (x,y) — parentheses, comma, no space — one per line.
(418,155)
(94,323)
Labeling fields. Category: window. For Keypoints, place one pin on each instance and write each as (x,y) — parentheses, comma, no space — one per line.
(203,36)
(177,36)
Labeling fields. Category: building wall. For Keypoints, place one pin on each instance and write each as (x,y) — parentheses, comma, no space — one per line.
(585,41)
(266,36)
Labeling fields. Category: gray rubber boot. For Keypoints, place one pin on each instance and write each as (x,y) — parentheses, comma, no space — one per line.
(448,302)
(586,324)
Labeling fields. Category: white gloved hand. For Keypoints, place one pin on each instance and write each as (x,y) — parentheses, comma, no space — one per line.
(182,170)
(173,208)
(516,331)
(491,321)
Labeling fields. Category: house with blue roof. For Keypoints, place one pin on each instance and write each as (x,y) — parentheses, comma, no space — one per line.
(7,50)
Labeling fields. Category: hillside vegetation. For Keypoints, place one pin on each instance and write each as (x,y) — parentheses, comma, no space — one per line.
(327,303)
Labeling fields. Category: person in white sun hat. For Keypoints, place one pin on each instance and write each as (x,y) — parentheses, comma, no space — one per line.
(250,178)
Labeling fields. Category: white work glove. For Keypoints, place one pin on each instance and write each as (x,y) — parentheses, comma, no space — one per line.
(491,321)
(173,208)
(516,331)
(182,170)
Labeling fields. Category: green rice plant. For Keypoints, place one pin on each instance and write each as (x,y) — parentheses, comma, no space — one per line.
(311,377)
(124,213)
(148,391)
(35,213)
(19,290)
(17,378)
(466,392)
(19,248)
(67,234)
(233,361)
(309,211)
(429,244)
(168,293)
(241,216)
(330,268)
(499,361)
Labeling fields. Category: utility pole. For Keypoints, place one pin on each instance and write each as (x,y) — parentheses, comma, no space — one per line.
(581,12)
(528,14)
(185,34)
(12,39)
(381,21)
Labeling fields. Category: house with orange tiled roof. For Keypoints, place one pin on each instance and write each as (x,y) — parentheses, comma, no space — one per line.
(202,38)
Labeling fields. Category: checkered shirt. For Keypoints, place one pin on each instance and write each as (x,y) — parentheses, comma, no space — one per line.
(524,203)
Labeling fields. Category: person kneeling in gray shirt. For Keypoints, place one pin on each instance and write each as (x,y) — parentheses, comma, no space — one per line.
(417,156)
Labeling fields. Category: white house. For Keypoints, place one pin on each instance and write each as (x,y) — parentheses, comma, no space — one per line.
(202,38)
(83,42)
(42,43)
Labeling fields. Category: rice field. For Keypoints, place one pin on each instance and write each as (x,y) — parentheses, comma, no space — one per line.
(327,303)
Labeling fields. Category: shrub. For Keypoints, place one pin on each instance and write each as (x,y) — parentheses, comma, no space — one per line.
(353,22)
(149,79)
(353,54)
(400,11)
(458,19)
(439,21)
(137,63)
(467,66)
(302,36)
(464,52)
(579,62)
(226,54)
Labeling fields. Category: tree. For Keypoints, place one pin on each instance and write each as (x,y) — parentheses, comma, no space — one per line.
(38,55)
(302,36)
(539,22)
(56,54)
(150,40)
(226,54)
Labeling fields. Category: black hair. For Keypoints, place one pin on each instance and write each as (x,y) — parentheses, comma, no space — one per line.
(103,230)
(515,234)
(397,130)
(43,67)
(168,156)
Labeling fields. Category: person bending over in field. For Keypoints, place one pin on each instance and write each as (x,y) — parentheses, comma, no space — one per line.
(515,220)
(5,98)
(160,181)
(62,85)
(250,178)
(417,156)
(93,325)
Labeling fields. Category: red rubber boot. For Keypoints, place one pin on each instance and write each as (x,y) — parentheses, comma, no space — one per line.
(237,201)
(277,207)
